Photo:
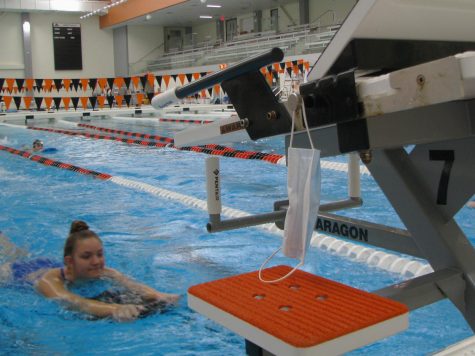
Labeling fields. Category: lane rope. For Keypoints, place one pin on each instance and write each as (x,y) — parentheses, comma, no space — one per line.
(211,149)
(187,121)
(387,261)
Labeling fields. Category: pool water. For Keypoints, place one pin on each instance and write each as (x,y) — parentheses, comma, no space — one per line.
(164,243)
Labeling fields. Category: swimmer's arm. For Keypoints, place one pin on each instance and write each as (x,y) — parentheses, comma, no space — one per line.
(51,286)
(145,291)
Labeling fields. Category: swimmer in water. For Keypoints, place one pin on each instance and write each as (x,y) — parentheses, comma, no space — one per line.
(83,260)
(37,145)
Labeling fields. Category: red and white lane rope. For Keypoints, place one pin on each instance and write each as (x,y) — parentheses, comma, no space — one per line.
(226,151)
(52,163)
(128,133)
(187,121)
(208,149)
(212,149)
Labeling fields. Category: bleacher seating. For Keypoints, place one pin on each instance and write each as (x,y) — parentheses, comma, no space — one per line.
(304,40)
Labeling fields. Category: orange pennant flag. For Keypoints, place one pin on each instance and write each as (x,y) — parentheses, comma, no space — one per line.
(7,100)
(118,99)
(203,93)
(29,84)
(166,79)
(102,83)
(296,69)
(139,99)
(101,99)
(135,81)
(67,84)
(288,64)
(84,83)
(264,70)
(119,82)
(182,78)
(306,65)
(151,79)
(66,101)
(84,100)
(269,78)
(10,82)
(48,100)
(276,67)
(48,84)
(27,101)
(196,76)
(217,88)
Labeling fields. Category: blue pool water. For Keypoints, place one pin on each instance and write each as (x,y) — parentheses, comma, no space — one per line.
(164,243)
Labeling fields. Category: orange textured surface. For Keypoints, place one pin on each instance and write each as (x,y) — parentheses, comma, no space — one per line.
(304,310)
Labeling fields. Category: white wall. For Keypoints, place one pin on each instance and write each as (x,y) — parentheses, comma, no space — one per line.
(144,43)
(284,20)
(11,46)
(205,31)
(340,8)
(97,47)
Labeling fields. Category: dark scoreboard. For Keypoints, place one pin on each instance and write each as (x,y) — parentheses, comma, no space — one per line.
(67,46)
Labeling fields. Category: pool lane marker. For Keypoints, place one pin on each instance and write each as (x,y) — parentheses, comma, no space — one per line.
(52,163)
(387,261)
(211,149)
(186,121)
(208,149)
(127,133)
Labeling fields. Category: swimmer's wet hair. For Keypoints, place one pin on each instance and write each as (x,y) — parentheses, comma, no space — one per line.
(78,225)
(79,231)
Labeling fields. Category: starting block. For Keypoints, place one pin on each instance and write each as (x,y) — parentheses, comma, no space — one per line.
(302,315)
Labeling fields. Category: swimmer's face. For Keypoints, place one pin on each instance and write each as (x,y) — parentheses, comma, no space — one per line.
(37,146)
(88,258)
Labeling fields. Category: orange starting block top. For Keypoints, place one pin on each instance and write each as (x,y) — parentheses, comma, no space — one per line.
(302,312)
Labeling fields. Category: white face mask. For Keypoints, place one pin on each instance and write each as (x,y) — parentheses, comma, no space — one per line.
(303,186)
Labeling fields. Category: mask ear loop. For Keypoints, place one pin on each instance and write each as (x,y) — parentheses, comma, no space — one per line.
(294,112)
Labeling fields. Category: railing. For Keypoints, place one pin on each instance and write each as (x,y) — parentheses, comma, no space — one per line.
(207,53)
(140,65)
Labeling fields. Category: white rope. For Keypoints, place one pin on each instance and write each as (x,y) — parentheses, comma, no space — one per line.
(373,257)
(13,125)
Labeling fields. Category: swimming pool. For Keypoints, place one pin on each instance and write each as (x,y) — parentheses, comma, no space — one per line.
(164,243)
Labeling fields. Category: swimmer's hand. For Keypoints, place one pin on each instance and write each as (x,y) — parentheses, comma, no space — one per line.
(127,312)
(171,298)
(163,297)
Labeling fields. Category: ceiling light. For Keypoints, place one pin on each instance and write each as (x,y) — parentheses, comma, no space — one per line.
(103,10)
(216,6)
(205,17)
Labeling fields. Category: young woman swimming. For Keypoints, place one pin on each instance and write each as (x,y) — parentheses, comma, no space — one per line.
(83,260)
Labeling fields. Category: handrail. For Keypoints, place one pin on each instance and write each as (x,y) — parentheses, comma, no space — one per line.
(326,12)
(149,52)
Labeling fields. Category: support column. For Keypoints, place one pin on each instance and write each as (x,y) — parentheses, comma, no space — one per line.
(121,52)
(304,10)
(258,21)
(26,35)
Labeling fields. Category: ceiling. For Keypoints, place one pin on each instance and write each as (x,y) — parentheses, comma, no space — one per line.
(187,13)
